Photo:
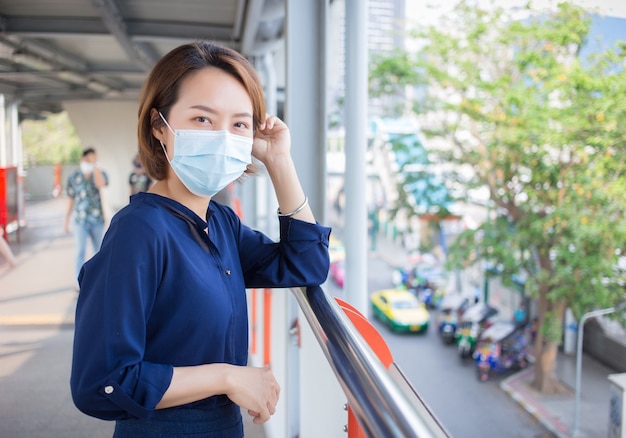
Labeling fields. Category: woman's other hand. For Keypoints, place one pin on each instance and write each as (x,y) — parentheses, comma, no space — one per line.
(254,389)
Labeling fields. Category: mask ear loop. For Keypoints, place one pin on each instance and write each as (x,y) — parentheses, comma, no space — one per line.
(166,124)
(164,151)
(173,132)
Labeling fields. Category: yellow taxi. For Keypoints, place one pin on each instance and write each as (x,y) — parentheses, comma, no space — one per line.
(336,250)
(400,310)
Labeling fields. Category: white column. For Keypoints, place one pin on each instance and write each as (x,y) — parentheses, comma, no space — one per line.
(571,332)
(267,200)
(305,96)
(17,157)
(4,159)
(313,396)
(355,228)
(15,134)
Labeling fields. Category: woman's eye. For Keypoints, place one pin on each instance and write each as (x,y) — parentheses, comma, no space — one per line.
(241,125)
(202,120)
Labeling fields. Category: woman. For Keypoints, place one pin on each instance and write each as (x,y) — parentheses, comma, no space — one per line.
(161,325)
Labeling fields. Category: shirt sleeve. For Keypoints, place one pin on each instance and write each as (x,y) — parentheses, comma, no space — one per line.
(109,378)
(299,259)
(70,188)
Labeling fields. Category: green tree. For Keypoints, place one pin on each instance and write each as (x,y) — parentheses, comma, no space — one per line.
(50,141)
(418,187)
(538,123)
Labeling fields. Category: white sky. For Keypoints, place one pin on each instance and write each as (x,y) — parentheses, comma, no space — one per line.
(419,11)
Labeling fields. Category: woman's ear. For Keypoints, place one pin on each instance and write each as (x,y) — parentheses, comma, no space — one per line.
(158,127)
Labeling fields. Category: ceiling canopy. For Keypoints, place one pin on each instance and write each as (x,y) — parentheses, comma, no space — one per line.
(58,50)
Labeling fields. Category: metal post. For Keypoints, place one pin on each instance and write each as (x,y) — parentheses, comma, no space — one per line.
(486,282)
(486,288)
(355,231)
(579,356)
(305,114)
(4,158)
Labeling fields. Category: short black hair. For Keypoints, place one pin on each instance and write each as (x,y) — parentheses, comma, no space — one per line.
(88,151)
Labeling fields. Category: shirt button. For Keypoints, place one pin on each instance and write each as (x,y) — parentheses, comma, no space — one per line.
(108,390)
(228,272)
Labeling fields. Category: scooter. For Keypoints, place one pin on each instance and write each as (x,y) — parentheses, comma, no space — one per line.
(473,322)
(501,347)
(450,310)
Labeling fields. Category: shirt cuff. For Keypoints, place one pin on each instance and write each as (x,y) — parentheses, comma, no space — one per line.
(295,230)
(152,383)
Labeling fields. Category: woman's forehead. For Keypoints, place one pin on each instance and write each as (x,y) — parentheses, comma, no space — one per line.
(214,89)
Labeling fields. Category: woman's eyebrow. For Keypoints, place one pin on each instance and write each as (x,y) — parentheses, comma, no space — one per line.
(212,111)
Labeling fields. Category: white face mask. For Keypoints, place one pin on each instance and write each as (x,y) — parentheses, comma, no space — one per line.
(86,167)
(207,161)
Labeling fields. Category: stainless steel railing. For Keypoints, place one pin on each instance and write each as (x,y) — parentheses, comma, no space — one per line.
(383,401)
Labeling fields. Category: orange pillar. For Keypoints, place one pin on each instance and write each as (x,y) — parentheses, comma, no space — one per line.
(58,170)
(253,321)
(267,325)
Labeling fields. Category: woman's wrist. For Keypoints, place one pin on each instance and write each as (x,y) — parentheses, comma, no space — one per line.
(278,163)
(296,211)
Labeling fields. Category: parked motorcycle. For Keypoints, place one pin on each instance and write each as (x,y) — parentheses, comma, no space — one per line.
(474,320)
(426,281)
(501,347)
(450,310)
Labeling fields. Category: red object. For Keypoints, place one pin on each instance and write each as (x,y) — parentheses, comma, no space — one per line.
(8,198)
(375,340)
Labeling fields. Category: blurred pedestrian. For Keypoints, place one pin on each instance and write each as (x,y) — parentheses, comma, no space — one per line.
(85,205)
(534,327)
(521,315)
(477,293)
(138,181)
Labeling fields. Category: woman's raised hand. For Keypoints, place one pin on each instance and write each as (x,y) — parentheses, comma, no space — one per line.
(271,140)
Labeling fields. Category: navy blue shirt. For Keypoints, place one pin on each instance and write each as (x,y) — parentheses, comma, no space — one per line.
(164,293)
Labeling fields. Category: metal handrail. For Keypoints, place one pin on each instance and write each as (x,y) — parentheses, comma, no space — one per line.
(381,406)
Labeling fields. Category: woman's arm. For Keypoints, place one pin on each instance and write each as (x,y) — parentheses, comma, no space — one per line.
(68,214)
(254,389)
(99,177)
(272,144)
(109,379)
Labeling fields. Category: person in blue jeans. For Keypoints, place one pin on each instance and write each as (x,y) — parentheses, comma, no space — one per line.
(85,204)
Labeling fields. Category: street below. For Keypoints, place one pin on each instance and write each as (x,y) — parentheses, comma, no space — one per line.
(466,407)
